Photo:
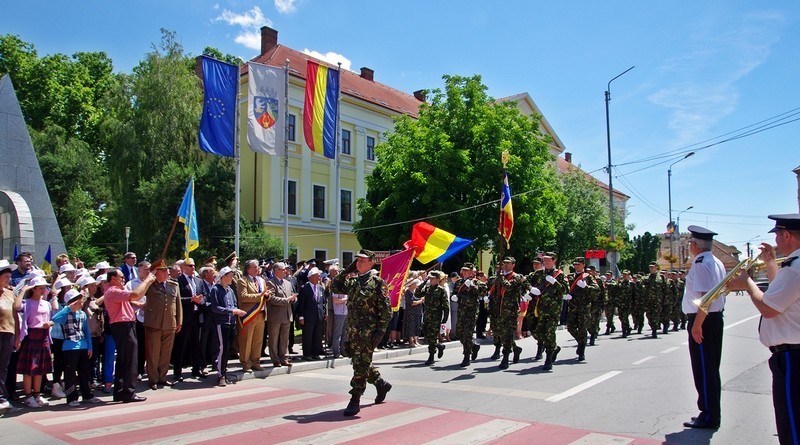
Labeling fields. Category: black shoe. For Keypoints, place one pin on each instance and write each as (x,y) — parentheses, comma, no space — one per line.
(316,357)
(555,353)
(353,407)
(383,388)
(639,330)
(430,359)
(475,349)
(464,363)
(548,362)
(135,398)
(153,387)
(517,352)
(539,351)
(613,329)
(654,334)
(480,336)
(591,340)
(166,383)
(496,354)
(441,351)
(581,350)
(701,424)
(608,330)
(504,362)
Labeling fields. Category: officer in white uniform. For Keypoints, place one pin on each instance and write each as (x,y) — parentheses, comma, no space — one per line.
(705,330)
(779,329)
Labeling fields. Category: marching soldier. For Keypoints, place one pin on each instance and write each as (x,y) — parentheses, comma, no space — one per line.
(681,289)
(639,303)
(598,299)
(667,300)
(625,290)
(467,292)
(369,313)
(654,292)
(548,289)
(505,293)
(677,296)
(612,291)
(579,303)
(437,310)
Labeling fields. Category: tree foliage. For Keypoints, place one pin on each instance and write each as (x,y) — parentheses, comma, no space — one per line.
(643,250)
(449,160)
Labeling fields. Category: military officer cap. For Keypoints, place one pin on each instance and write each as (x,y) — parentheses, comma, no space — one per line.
(674,271)
(436,274)
(210,261)
(579,260)
(551,255)
(509,259)
(468,266)
(591,267)
(653,264)
(701,233)
(158,264)
(312,261)
(536,259)
(364,253)
(626,272)
(230,258)
(682,271)
(786,221)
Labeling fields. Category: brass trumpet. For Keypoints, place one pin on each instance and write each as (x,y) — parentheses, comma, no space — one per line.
(747,264)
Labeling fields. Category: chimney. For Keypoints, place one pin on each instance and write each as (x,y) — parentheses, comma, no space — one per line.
(269,39)
(568,156)
(368,74)
(420,95)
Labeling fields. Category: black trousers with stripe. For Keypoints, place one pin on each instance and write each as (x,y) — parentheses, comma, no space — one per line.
(706,358)
(785,368)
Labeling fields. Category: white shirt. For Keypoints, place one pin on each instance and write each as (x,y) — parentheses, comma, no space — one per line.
(131,285)
(783,295)
(706,272)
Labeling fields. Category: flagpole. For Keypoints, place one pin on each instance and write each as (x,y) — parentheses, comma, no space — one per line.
(236,153)
(286,163)
(338,209)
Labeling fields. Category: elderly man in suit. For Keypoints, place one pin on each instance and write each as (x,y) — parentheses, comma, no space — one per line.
(311,314)
(128,268)
(279,307)
(163,316)
(187,341)
(252,294)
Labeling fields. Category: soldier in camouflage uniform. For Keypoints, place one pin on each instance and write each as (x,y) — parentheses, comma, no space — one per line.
(681,290)
(612,289)
(369,313)
(597,306)
(468,291)
(437,310)
(625,290)
(639,303)
(506,291)
(667,302)
(655,288)
(677,299)
(549,287)
(582,289)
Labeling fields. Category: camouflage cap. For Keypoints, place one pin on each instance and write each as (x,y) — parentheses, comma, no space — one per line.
(590,267)
(364,253)
(549,255)
(468,266)
(626,272)
(536,259)
(653,264)
(579,260)
(510,259)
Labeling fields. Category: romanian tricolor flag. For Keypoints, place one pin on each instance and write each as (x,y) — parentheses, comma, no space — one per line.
(394,270)
(432,243)
(48,261)
(506,225)
(321,108)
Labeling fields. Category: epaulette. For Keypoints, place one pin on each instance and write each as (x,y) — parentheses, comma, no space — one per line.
(699,260)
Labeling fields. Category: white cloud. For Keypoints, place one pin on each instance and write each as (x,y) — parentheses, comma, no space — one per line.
(250,23)
(285,6)
(330,57)
(215,7)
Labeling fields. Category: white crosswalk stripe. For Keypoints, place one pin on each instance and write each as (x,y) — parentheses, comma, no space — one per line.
(601,439)
(479,434)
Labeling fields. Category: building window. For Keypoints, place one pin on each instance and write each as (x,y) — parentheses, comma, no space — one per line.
(292,198)
(345,142)
(319,201)
(320,256)
(347,258)
(347,205)
(370,148)
(290,128)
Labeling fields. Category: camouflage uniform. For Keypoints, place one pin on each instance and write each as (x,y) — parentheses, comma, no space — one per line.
(579,308)
(546,310)
(437,310)
(596,309)
(655,288)
(625,293)
(468,292)
(681,290)
(612,291)
(639,304)
(368,314)
(505,293)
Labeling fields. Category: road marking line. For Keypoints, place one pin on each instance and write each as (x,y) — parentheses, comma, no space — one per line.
(668,350)
(601,439)
(741,321)
(480,434)
(187,417)
(639,362)
(140,407)
(507,392)
(574,390)
(242,427)
(369,427)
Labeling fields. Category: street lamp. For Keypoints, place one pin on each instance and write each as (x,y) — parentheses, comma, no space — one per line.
(612,257)
(678,231)
(669,194)
(127,236)
(749,252)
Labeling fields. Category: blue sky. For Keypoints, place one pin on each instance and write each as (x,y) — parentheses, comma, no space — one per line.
(703,69)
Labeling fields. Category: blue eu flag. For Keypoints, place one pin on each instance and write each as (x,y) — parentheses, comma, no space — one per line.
(219,107)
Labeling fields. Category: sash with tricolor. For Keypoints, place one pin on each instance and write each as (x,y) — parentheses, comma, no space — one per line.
(253,312)
(555,275)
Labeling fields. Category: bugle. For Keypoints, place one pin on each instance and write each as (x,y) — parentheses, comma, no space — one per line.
(704,302)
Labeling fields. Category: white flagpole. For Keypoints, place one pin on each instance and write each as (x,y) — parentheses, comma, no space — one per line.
(238,166)
(338,209)
(286,164)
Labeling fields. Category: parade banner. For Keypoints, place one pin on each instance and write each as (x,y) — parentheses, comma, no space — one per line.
(394,270)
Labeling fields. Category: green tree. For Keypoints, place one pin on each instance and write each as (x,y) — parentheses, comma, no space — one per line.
(643,250)
(584,218)
(448,160)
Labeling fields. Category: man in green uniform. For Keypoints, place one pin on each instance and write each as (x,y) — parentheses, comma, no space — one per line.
(681,289)
(582,288)
(655,288)
(549,287)
(612,291)
(437,310)
(639,303)
(625,290)
(369,313)
(677,298)
(506,291)
(468,291)
(596,309)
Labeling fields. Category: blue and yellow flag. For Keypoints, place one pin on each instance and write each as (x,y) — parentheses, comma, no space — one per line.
(48,261)
(188,216)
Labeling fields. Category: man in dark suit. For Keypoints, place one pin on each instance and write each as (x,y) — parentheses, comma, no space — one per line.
(187,341)
(128,268)
(311,314)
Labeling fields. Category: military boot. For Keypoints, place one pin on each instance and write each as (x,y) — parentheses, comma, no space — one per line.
(475,349)
(555,353)
(353,407)
(430,359)
(517,352)
(581,352)
(441,350)
(608,330)
(625,332)
(496,354)
(675,327)
(639,330)
(655,333)
(548,361)
(592,338)
(504,362)
(465,362)
(683,325)
(383,388)
(665,330)
(539,350)
(613,329)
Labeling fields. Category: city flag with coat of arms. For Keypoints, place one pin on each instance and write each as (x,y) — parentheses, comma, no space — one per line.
(266,98)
